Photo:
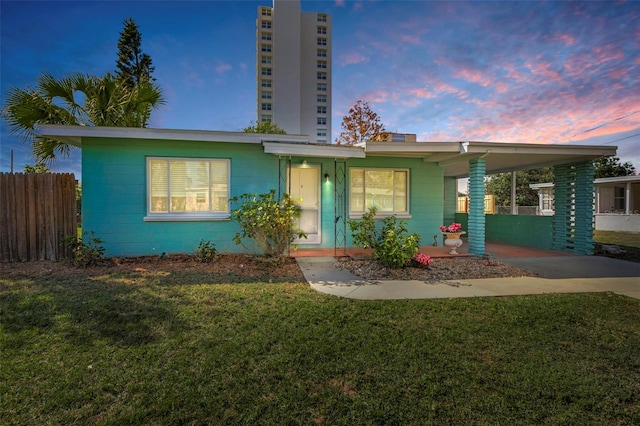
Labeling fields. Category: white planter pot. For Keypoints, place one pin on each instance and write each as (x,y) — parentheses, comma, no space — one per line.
(453,241)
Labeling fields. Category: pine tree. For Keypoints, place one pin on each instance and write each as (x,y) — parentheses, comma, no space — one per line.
(134,66)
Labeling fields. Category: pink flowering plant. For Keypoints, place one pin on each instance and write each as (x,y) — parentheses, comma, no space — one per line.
(423,259)
(454,227)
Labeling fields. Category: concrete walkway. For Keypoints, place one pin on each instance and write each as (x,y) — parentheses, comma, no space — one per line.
(562,274)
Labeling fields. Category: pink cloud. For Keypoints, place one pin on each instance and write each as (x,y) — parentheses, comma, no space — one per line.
(447,88)
(619,73)
(422,92)
(543,68)
(473,76)
(567,39)
(408,38)
(501,86)
(389,48)
(352,58)
(340,3)
(377,96)
(223,68)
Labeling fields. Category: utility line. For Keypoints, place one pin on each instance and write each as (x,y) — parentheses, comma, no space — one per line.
(607,123)
(621,139)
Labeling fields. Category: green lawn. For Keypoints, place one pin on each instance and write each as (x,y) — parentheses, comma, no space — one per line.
(629,239)
(170,348)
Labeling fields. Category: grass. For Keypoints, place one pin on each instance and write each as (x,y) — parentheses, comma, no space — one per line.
(170,348)
(629,239)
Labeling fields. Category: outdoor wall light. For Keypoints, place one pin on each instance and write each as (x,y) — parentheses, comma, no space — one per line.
(326,177)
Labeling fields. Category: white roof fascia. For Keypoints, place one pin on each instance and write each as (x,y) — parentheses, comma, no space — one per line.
(425,148)
(315,150)
(76,133)
(618,179)
(532,148)
(541,185)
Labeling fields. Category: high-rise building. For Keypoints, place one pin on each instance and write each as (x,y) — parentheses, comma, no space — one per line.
(293,69)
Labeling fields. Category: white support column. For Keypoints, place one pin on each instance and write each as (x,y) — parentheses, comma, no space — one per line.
(627,199)
(514,207)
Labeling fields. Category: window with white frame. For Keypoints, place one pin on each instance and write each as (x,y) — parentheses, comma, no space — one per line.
(322,109)
(266,25)
(321,132)
(265,118)
(321,75)
(321,121)
(322,87)
(322,64)
(266,36)
(322,17)
(265,83)
(322,53)
(385,189)
(322,30)
(322,41)
(266,48)
(266,60)
(265,107)
(619,198)
(266,11)
(183,187)
(265,95)
(266,71)
(321,98)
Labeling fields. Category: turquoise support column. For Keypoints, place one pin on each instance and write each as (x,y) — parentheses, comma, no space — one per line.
(573,218)
(584,204)
(562,214)
(477,170)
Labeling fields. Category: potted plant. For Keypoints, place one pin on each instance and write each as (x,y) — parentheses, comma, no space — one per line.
(453,233)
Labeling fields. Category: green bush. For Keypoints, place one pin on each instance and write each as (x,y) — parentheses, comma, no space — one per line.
(393,246)
(85,250)
(206,251)
(267,220)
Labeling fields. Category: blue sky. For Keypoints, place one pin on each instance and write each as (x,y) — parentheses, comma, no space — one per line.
(538,72)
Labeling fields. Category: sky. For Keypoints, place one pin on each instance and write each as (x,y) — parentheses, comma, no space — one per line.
(531,72)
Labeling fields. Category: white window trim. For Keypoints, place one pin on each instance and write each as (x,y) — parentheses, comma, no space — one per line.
(379,214)
(186,216)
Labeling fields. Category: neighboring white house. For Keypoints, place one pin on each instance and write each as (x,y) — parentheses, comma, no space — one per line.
(617,202)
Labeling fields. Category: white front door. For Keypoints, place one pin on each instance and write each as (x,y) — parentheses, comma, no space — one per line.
(305,190)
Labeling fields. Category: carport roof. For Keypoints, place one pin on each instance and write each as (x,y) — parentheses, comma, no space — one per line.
(500,157)
(453,157)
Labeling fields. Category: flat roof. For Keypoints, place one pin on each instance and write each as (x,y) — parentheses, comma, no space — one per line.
(453,157)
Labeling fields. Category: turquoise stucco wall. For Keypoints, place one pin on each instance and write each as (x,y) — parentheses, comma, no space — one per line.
(114,200)
(533,231)
(114,193)
(450,199)
(426,186)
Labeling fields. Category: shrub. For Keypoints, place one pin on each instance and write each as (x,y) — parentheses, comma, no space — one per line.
(269,221)
(393,246)
(206,251)
(85,250)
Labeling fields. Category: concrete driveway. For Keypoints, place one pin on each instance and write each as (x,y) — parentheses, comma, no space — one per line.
(558,274)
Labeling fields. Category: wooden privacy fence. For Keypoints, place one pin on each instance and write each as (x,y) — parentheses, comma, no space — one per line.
(37,212)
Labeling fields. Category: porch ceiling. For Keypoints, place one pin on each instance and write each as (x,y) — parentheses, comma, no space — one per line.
(454,157)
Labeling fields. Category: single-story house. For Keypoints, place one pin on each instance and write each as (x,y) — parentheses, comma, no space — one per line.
(616,202)
(149,191)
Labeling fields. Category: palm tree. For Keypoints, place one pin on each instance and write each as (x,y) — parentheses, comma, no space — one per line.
(77,99)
